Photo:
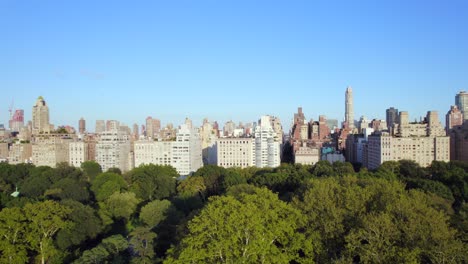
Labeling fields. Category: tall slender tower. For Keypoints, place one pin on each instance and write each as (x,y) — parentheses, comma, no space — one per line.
(349,108)
(82,126)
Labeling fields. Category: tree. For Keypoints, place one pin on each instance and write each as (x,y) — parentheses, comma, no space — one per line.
(141,241)
(13,245)
(155,212)
(86,225)
(409,230)
(375,221)
(69,188)
(212,175)
(323,168)
(343,168)
(118,206)
(231,178)
(192,194)
(35,185)
(153,182)
(45,220)
(257,228)
(91,169)
(109,249)
(105,184)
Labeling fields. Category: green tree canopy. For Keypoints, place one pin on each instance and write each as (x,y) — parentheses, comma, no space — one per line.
(153,182)
(105,184)
(91,169)
(257,228)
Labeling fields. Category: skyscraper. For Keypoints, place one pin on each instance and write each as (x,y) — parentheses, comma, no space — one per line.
(17,120)
(40,116)
(349,108)
(100,126)
(391,117)
(82,126)
(453,118)
(153,126)
(461,101)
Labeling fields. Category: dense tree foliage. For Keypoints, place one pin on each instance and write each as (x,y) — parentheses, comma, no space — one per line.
(326,213)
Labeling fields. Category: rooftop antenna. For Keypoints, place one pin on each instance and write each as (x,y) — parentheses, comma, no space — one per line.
(10,109)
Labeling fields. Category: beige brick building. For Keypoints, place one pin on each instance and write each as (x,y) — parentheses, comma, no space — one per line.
(20,153)
(78,153)
(421,142)
(236,152)
(48,151)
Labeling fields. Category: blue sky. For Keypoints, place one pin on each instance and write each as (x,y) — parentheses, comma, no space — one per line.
(238,60)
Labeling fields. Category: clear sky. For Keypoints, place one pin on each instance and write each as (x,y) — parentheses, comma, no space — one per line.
(224,59)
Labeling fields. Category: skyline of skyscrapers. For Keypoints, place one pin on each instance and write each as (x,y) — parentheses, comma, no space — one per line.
(116,145)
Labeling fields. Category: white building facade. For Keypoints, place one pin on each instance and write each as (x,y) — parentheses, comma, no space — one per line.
(113,150)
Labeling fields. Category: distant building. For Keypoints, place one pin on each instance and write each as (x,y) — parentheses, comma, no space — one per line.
(100,126)
(187,151)
(235,152)
(50,150)
(349,108)
(229,128)
(40,117)
(267,147)
(20,153)
(459,142)
(391,117)
(453,118)
(78,153)
(113,150)
(17,121)
(153,126)
(112,125)
(461,101)
(208,136)
(421,142)
(262,149)
(4,152)
(82,126)
(153,152)
(307,155)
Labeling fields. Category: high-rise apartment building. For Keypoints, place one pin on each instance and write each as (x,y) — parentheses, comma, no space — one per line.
(17,120)
(391,117)
(112,125)
(48,151)
(100,126)
(235,152)
(113,150)
(461,101)
(187,151)
(229,128)
(453,118)
(78,153)
(153,126)
(267,149)
(349,108)
(82,126)
(153,152)
(421,142)
(208,137)
(20,153)
(40,117)
(184,154)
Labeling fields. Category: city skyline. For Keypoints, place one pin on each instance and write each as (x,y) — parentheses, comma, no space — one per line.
(230,61)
